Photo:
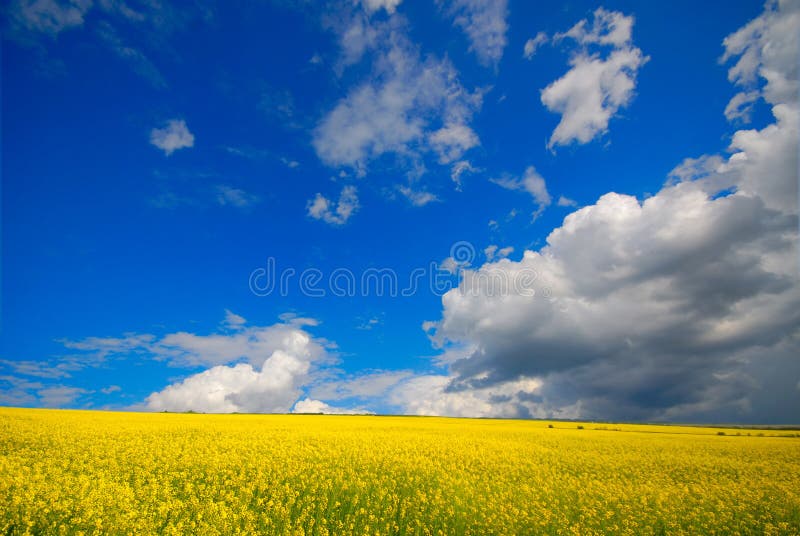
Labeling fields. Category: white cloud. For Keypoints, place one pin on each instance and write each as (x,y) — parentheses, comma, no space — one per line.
(430,395)
(374,5)
(272,388)
(740,107)
(460,168)
(765,161)
(363,386)
(251,344)
(598,84)
(249,368)
(449,264)
(358,36)
(368,324)
(49,16)
(232,320)
(235,197)
(408,107)
(505,252)
(308,405)
(102,347)
(494,252)
(533,44)
(281,362)
(451,142)
(608,28)
(38,23)
(418,198)
(16,391)
(59,396)
(767,48)
(321,208)
(291,164)
(531,182)
(40,369)
(173,136)
(484,23)
(278,362)
(566,202)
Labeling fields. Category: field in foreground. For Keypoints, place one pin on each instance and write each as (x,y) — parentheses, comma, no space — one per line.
(68,472)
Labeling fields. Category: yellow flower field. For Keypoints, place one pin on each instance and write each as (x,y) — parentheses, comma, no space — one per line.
(81,472)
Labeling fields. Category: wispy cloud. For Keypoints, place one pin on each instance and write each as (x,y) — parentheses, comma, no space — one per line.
(138,61)
(235,197)
(531,182)
(533,44)
(485,25)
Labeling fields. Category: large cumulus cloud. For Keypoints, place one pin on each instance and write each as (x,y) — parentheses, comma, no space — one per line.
(680,306)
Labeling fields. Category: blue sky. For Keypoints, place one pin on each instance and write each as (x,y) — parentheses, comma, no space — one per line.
(155,156)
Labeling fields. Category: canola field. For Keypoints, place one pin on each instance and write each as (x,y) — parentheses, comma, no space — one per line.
(81,472)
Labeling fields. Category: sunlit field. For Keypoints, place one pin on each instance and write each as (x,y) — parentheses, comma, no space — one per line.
(75,472)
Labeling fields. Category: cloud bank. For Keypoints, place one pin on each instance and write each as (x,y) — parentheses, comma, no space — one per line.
(684,305)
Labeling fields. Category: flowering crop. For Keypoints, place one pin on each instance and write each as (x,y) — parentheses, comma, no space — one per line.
(81,472)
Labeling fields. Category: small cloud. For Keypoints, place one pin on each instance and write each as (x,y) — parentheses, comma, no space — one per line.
(308,405)
(173,136)
(459,168)
(229,196)
(48,17)
(417,198)
(291,164)
(110,389)
(453,265)
(485,25)
(566,202)
(531,182)
(368,324)
(371,6)
(493,252)
(597,85)
(740,107)
(531,45)
(322,208)
(279,104)
(247,152)
(452,141)
(169,200)
(138,61)
(505,252)
(232,320)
